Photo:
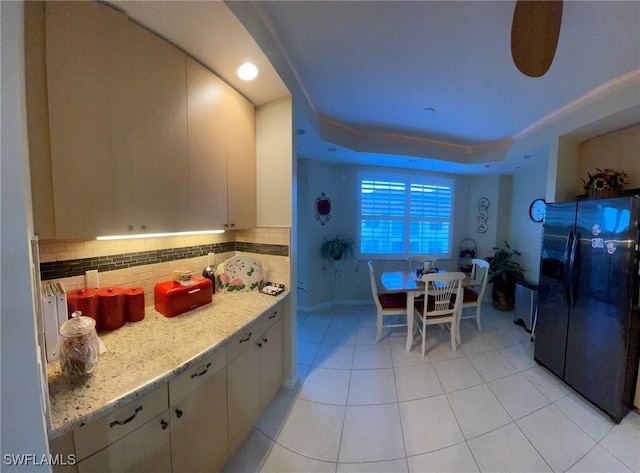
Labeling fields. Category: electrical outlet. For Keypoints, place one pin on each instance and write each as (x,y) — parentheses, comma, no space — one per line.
(91,278)
(211,259)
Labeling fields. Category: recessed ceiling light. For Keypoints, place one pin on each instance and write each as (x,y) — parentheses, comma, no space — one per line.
(429,111)
(247,71)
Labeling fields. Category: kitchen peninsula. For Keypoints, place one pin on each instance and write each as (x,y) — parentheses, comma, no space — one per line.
(234,345)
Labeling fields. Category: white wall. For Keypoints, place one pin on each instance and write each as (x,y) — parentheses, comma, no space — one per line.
(275,189)
(274,163)
(529,183)
(23,425)
(339,183)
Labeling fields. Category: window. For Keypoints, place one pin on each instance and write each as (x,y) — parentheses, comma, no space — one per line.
(403,214)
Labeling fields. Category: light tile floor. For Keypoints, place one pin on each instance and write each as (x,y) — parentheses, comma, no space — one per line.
(367,407)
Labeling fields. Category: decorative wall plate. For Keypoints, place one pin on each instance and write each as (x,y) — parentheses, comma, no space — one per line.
(323,208)
(483,203)
(482,227)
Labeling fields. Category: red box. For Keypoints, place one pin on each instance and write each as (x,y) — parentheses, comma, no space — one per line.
(172,298)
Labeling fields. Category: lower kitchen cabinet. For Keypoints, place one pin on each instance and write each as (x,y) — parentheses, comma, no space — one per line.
(255,375)
(198,400)
(145,449)
(272,363)
(197,420)
(243,388)
(134,437)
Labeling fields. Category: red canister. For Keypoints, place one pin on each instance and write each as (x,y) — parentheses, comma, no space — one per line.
(134,304)
(86,301)
(111,308)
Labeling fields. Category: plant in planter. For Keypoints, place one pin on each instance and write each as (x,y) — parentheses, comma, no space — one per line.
(605,183)
(336,252)
(336,248)
(504,273)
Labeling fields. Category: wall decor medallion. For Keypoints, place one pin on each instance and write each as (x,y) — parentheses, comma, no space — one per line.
(483,215)
(323,208)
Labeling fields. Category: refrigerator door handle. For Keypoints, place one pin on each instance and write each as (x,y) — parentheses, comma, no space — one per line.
(571,271)
(566,286)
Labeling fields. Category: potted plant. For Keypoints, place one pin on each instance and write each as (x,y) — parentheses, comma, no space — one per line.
(336,248)
(504,273)
(605,183)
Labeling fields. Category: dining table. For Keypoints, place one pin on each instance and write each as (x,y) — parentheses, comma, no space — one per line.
(409,283)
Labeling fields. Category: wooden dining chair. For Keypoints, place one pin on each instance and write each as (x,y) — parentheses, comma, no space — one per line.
(472,296)
(387,304)
(443,296)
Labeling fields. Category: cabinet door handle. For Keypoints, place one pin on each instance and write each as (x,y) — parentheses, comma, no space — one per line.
(127,420)
(164,424)
(274,315)
(195,375)
(179,413)
(193,291)
(246,339)
(264,340)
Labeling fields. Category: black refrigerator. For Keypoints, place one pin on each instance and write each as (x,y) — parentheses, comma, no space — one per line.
(588,322)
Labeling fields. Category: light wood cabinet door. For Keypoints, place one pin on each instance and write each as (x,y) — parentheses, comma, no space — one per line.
(199,427)
(145,449)
(159,151)
(271,362)
(241,164)
(207,121)
(88,85)
(243,396)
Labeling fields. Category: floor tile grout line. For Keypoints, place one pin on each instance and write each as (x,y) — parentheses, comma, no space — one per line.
(518,370)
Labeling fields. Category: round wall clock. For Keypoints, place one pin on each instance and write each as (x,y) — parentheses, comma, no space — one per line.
(537,209)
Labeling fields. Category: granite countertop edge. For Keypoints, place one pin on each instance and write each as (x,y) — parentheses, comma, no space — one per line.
(224,317)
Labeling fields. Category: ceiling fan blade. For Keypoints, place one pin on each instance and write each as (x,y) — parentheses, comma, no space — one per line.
(534,35)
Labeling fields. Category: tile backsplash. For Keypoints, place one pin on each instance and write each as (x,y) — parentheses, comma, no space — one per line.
(145,262)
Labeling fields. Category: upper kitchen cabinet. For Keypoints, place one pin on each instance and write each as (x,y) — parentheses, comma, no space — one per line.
(207,95)
(88,80)
(222,163)
(158,136)
(143,139)
(241,164)
(118,121)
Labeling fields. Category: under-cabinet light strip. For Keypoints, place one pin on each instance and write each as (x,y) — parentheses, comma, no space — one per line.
(156,235)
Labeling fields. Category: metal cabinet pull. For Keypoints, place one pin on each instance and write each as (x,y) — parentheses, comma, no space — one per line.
(206,368)
(126,421)
(275,314)
(246,339)
(264,340)
(164,424)
(179,413)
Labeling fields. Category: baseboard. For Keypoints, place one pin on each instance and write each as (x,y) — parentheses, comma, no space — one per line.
(328,305)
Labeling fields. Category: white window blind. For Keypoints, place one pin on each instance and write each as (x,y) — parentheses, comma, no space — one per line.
(402,214)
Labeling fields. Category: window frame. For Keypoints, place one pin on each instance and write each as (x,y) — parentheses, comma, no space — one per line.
(408,179)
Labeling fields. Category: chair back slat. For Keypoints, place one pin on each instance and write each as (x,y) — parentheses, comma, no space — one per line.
(443,293)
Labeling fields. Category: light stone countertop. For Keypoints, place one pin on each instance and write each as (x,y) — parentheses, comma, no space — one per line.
(143,355)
